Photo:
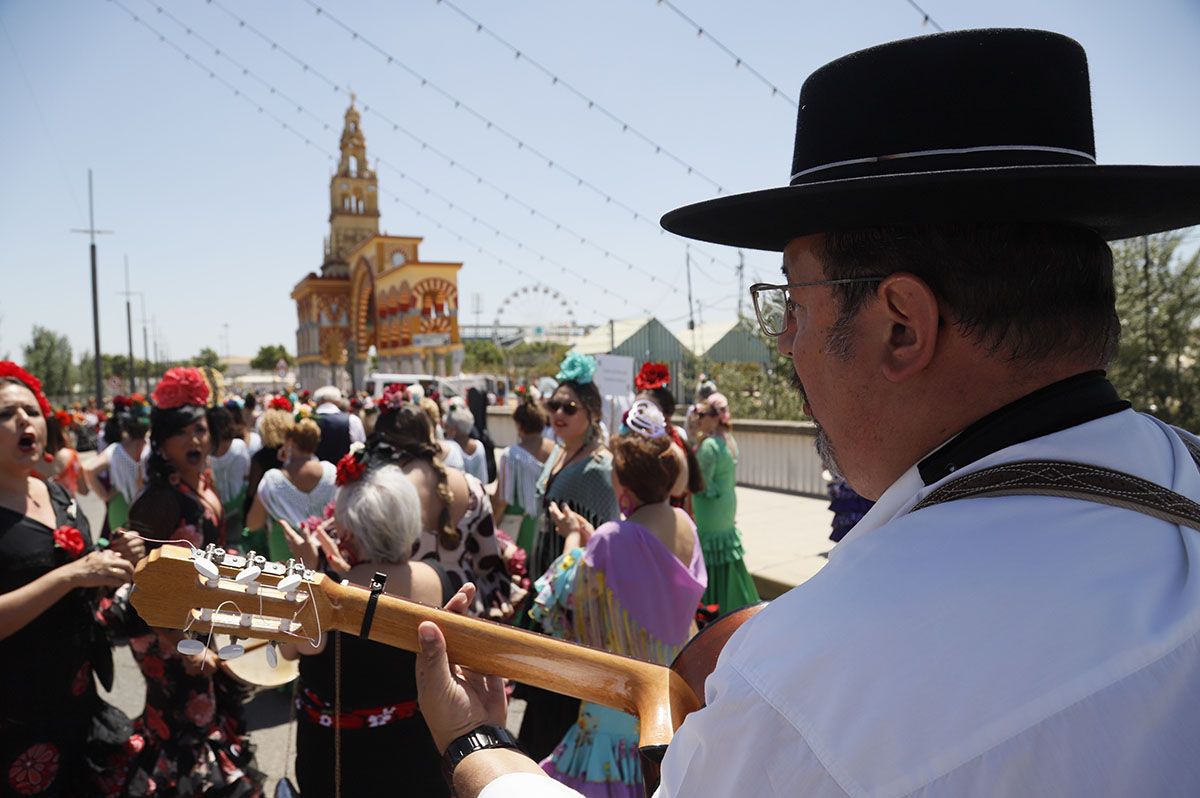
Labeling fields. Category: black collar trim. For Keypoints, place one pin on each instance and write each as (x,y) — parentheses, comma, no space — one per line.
(1058,406)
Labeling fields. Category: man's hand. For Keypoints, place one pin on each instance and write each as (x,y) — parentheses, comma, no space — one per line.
(131,547)
(455,700)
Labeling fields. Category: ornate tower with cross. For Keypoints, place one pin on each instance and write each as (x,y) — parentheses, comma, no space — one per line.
(374,295)
(353,198)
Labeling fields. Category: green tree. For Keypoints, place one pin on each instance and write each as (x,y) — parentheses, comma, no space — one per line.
(48,357)
(482,356)
(268,356)
(208,358)
(758,391)
(1158,302)
(536,359)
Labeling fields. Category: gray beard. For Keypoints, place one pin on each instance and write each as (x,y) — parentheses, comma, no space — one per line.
(826,453)
(825,448)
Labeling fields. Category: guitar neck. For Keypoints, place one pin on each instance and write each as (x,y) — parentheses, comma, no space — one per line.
(656,694)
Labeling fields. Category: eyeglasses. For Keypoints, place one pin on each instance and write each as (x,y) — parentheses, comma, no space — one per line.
(774,306)
(696,411)
(570,407)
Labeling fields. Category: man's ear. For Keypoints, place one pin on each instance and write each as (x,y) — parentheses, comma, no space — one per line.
(910,309)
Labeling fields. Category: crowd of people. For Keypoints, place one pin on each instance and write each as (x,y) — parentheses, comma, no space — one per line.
(623,540)
(1015,614)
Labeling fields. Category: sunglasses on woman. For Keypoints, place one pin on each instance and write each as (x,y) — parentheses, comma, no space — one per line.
(698,412)
(570,407)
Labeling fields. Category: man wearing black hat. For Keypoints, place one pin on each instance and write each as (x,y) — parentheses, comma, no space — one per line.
(1019,613)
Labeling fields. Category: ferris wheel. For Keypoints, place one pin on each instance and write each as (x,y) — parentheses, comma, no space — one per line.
(540,312)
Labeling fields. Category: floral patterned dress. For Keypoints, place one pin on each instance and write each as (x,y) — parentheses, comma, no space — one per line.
(57,736)
(193,725)
(626,593)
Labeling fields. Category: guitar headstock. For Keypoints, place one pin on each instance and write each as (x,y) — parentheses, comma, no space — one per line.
(244,597)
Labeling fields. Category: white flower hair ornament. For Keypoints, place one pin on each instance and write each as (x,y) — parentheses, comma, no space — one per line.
(646,419)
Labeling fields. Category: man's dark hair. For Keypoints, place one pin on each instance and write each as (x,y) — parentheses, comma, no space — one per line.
(220,426)
(1025,291)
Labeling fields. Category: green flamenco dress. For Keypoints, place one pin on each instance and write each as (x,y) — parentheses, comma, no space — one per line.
(730,585)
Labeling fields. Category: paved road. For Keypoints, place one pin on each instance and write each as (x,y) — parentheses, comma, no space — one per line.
(784,537)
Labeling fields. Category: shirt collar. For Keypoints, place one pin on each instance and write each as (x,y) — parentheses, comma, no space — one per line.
(1058,406)
(1061,405)
(328,407)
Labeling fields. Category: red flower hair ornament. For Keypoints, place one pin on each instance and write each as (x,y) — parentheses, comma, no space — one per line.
(180,387)
(280,403)
(652,376)
(352,466)
(11,369)
(394,397)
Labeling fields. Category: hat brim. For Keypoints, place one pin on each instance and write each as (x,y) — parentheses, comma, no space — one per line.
(1115,201)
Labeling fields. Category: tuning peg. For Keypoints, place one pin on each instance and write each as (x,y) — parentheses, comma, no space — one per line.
(206,568)
(272,654)
(190,646)
(247,574)
(290,582)
(231,651)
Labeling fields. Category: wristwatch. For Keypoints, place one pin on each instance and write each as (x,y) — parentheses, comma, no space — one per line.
(479,739)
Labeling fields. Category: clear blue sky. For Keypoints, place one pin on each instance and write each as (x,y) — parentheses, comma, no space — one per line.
(221,210)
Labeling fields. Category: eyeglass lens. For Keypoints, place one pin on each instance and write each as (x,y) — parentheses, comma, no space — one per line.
(771,306)
(554,405)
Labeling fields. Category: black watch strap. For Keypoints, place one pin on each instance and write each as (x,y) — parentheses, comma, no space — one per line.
(479,739)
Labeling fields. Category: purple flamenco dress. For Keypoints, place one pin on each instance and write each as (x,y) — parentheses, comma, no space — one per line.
(626,593)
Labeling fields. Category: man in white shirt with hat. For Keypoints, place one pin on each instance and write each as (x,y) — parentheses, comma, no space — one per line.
(1019,613)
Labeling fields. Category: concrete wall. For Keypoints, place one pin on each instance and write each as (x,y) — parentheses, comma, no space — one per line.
(773,455)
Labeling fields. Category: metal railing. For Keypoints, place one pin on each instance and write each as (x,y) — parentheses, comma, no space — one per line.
(772,455)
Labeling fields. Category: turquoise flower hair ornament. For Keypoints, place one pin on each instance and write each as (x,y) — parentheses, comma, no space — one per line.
(576,367)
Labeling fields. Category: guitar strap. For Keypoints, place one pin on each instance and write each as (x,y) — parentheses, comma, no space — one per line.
(1074,481)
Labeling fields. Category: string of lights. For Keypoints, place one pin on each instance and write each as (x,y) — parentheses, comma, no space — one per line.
(926,19)
(451,160)
(738,61)
(592,104)
(187,56)
(521,144)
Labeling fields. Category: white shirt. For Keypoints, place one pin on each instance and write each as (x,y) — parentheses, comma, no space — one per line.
(230,469)
(1022,645)
(476,464)
(128,476)
(455,456)
(357,433)
(282,499)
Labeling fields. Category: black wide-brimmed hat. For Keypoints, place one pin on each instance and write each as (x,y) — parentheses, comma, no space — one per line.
(969,126)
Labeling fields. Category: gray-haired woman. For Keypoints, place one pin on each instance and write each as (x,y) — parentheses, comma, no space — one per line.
(384,740)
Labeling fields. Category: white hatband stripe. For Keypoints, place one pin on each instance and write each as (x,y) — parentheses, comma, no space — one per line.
(951,151)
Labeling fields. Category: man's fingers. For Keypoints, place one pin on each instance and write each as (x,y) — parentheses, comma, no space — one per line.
(555,512)
(461,601)
(433,669)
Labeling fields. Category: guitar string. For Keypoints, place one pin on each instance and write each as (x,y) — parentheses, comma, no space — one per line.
(261,614)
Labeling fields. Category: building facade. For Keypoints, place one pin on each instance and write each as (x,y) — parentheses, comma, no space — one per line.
(375,305)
